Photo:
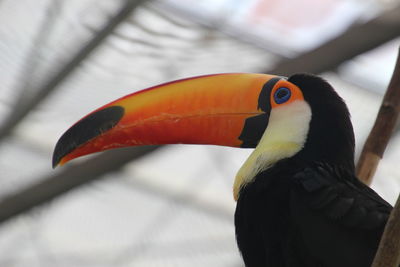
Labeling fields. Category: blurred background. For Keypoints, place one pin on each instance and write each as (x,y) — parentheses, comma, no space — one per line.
(168,206)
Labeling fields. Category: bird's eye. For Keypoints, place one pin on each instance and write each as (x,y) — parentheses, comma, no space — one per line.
(282,95)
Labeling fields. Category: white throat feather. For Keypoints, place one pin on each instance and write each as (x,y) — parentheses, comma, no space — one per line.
(284,136)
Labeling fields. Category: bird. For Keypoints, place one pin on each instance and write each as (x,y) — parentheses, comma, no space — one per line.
(299,201)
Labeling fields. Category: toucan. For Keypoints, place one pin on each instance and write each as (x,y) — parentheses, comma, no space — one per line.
(299,201)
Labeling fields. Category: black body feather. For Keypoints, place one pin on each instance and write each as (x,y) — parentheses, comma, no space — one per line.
(317,215)
(311,210)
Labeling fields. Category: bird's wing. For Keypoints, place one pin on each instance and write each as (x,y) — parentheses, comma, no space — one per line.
(340,219)
(341,197)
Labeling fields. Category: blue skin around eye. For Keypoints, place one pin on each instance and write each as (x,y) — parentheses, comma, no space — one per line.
(282,95)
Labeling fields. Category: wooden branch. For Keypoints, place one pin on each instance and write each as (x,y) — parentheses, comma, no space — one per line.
(383,128)
(388,254)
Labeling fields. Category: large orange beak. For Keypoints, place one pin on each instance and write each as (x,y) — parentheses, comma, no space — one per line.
(221,109)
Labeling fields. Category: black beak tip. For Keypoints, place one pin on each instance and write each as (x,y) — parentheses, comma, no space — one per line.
(85,130)
(56,160)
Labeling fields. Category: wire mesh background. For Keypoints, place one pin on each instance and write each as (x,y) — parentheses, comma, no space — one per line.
(172,207)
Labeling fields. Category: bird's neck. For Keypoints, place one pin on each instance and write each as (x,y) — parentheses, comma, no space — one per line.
(330,140)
